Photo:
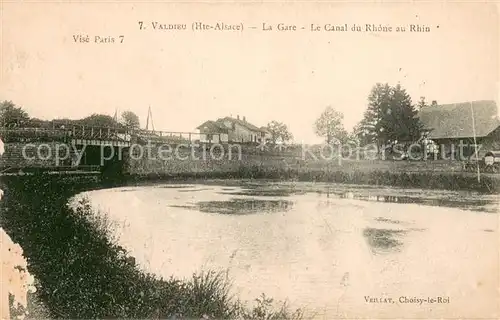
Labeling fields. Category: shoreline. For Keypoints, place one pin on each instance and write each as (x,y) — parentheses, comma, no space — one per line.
(211,208)
(36,215)
(82,273)
(452,181)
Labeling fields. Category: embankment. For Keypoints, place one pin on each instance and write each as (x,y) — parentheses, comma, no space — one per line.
(489,183)
(253,163)
(81,273)
(151,162)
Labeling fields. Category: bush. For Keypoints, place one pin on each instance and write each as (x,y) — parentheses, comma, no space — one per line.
(265,310)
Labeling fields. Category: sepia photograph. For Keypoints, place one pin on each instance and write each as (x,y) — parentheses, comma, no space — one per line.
(249,160)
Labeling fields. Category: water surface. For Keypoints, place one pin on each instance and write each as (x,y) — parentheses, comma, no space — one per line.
(327,247)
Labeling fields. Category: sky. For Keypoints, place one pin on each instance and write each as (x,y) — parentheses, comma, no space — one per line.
(189,77)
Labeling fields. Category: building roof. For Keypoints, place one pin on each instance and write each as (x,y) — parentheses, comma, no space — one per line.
(455,120)
(213,127)
(242,123)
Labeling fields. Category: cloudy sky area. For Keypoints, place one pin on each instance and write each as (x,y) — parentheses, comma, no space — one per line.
(189,77)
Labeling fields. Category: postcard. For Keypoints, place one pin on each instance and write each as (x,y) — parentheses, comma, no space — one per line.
(249,160)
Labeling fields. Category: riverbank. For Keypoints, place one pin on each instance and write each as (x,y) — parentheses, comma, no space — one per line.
(423,178)
(323,246)
(82,273)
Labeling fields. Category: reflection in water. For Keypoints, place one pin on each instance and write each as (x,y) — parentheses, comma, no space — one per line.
(241,206)
(175,186)
(265,192)
(417,229)
(383,240)
(324,253)
(382,219)
(441,198)
(464,203)
(194,190)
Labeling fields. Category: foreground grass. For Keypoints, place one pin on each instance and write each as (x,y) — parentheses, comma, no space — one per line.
(82,273)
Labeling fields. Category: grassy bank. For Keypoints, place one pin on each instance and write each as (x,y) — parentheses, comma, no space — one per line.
(489,183)
(81,273)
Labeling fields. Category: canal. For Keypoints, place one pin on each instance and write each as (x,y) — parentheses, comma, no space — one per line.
(334,250)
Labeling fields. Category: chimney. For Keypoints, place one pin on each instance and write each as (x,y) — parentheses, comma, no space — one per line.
(244,119)
(238,117)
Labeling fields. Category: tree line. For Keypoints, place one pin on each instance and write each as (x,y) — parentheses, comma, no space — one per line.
(390,117)
(12,116)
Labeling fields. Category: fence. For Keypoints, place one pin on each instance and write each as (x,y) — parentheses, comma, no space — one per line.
(63,134)
(145,136)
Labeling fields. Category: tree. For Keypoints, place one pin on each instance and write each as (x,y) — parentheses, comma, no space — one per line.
(279,132)
(390,116)
(130,119)
(98,120)
(329,125)
(421,103)
(39,123)
(360,134)
(11,115)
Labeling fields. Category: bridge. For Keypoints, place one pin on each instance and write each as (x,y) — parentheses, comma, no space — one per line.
(78,135)
(90,139)
(92,135)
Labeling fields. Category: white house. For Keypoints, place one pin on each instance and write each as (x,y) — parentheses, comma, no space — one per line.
(230,129)
(212,132)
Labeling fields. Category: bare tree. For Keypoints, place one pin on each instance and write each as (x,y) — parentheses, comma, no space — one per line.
(329,125)
(279,132)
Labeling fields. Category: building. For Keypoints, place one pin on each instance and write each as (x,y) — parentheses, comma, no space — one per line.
(268,137)
(229,129)
(451,124)
(214,132)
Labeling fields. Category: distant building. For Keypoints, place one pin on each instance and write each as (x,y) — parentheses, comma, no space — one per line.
(229,129)
(211,131)
(449,124)
(268,137)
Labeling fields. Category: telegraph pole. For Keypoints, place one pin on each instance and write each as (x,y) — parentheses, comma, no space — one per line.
(475,142)
(150,116)
(115,117)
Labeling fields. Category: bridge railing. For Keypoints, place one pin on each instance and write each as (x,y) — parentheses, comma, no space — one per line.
(165,136)
(64,133)
(100,133)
